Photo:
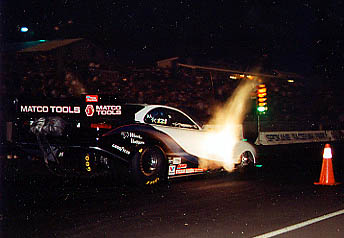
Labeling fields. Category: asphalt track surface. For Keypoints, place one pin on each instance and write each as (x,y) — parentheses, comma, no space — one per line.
(277,200)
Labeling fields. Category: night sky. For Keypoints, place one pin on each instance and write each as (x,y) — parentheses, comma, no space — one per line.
(299,36)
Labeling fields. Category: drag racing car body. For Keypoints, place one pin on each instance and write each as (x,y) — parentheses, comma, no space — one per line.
(150,142)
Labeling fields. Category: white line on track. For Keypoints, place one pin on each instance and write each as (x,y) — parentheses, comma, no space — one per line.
(300,225)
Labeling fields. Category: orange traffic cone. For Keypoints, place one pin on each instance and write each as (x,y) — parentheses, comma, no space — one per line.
(326,175)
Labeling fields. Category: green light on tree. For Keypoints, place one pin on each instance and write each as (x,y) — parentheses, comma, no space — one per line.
(262,109)
(24,29)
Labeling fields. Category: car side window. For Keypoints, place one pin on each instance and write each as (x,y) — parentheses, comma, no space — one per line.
(169,117)
(157,116)
(180,120)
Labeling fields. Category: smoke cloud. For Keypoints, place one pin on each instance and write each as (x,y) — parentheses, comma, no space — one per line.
(226,128)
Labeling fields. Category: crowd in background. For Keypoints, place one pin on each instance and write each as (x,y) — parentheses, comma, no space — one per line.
(196,92)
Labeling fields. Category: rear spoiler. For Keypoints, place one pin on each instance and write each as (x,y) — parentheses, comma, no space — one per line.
(86,111)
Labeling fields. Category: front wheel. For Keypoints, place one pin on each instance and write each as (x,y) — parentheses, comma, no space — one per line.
(149,166)
(246,162)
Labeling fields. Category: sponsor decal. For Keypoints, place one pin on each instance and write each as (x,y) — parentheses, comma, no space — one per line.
(64,109)
(137,142)
(182,125)
(172,170)
(180,171)
(91,98)
(121,149)
(126,134)
(134,138)
(182,166)
(89,110)
(108,110)
(50,109)
(177,160)
(103,110)
(189,171)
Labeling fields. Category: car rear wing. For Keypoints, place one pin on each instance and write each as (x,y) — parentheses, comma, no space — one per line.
(101,112)
(85,107)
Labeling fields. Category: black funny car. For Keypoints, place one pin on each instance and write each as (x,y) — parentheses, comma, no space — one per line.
(99,135)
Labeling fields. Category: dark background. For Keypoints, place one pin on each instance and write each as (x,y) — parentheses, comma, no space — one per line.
(298,36)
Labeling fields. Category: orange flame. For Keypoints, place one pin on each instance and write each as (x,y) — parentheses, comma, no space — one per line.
(226,129)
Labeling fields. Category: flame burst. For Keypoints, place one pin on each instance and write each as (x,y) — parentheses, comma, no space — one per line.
(227,129)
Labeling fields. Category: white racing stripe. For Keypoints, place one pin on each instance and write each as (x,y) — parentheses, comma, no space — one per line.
(300,225)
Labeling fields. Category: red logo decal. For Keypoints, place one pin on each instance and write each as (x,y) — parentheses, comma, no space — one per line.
(91,98)
(182,166)
(172,170)
(89,110)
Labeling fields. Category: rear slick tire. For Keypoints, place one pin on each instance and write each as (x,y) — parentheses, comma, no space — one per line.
(149,166)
